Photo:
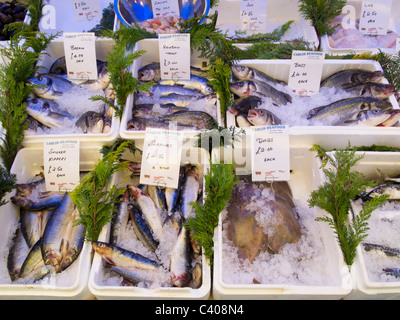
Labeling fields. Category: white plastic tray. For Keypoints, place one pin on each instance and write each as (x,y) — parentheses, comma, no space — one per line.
(328,136)
(54,51)
(394,25)
(152,55)
(305,178)
(27,164)
(109,292)
(278,13)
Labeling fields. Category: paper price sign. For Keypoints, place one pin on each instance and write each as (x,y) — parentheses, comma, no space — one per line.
(165,8)
(80,55)
(174,56)
(61,164)
(305,72)
(253,16)
(161,158)
(87,10)
(270,153)
(375,16)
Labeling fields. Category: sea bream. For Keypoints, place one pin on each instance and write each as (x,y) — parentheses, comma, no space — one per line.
(47,112)
(51,86)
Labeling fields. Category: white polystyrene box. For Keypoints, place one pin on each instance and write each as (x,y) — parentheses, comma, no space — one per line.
(112,292)
(328,137)
(394,25)
(305,177)
(55,51)
(150,46)
(28,163)
(278,13)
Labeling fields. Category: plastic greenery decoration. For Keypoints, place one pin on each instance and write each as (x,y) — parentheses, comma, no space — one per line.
(342,185)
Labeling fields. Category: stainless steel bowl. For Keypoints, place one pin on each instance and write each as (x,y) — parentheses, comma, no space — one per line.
(130,11)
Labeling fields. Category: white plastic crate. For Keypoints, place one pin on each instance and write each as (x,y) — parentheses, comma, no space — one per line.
(305,177)
(27,164)
(110,292)
(55,51)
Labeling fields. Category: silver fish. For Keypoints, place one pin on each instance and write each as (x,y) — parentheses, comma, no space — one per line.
(90,122)
(120,219)
(195,83)
(197,275)
(33,225)
(158,195)
(51,86)
(17,254)
(197,119)
(390,252)
(164,90)
(180,260)
(390,189)
(242,121)
(38,201)
(190,191)
(244,104)
(395,272)
(249,73)
(262,117)
(351,77)
(47,112)
(151,72)
(34,267)
(370,118)
(371,89)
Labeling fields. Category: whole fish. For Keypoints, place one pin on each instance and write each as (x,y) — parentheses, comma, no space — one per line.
(120,219)
(244,104)
(164,90)
(180,260)
(120,257)
(34,266)
(262,117)
(395,272)
(90,122)
(38,183)
(17,253)
(47,112)
(345,107)
(242,121)
(33,225)
(197,275)
(140,124)
(393,119)
(351,77)
(134,275)
(390,189)
(179,100)
(158,195)
(371,89)
(253,87)
(195,83)
(51,86)
(390,252)
(33,125)
(197,119)
(370,118)
(38,201)
(55,231)
(249,73)
(190,191)
(151,72)
(149,211)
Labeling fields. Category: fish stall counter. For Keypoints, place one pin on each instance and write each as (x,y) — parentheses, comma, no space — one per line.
(277,13)
(376,270)
(268,244)
(35,221)
(355,103)
(146,252)
(191,105)
(60,108)
(347,38)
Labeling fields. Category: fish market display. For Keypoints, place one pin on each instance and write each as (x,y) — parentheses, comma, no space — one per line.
(59,105)
(268,237)
(161,25)
(351,97)
(352,38)
(149,245)
(10,11)
(46,240)
(191,104)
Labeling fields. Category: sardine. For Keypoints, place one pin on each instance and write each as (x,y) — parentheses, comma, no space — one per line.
(253,87)
(51,86)
(17,255)
(390,252)
(120,219)
(47,112)
(158,195)
(197,119)
(190,191)
(351,77)
(90,122)
(262,117)
(34,266)
(248,73)
(244,104)
(180,260)
(371,89)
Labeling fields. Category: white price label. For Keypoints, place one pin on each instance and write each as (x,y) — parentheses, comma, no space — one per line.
(161,158)
(375,16)
(87,10)
(253,16)
(174,56)
(305,72)
(165,8)
(61,164)
(80,55)
(270,153)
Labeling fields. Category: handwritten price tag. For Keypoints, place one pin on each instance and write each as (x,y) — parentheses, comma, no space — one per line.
(87,10)
(165,8)
(270,153)
(161,158)
(80,55)
(61,164)
(375,16)
(305,72)
(253,16)
(174,56)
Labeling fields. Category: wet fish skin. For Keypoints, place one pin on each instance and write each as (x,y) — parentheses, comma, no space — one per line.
(151,72)
(50,86)
(244,104)
(248,73)
(391,189)
(120,219)
(262,117)
(90,122)
(17,254)
(34,266)
(158,195)
(140,124)
(370,118)
(47,112)
(190,191)
(371,89)
(33,224)
(195,83)
(180,260)
(197,275)
(134,275)
(164,90)
(197,119)
(242,121)
(41,203)
(350,77)
(391,252)
(395,272)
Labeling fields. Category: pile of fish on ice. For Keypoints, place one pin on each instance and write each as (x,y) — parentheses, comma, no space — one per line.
(380,249)
(46,241)
(149,246)
(59,105)
(262,100)
(269,238)
(189,103)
